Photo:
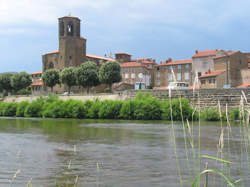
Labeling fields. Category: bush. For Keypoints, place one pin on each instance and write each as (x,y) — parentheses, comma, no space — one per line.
(210,115)
(53,109)
(128,110)
(180,108)
(109,109)
(74,109)
(34,109)
(147,107)
(21,108)
(93,110)
(8,109)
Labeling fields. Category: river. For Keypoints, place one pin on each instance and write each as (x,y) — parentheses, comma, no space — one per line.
(46,152)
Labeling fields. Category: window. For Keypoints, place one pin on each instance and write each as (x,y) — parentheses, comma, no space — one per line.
(170,77)
(186,75)
(211,81)
(179,66)
(170,68)
(70,57)
(203,81)
(51,65)
(158,68)
(178,76)
(126,76)
(187,66)
(126,70)
(158,74)
(70,30)
(132,75)
(158,83)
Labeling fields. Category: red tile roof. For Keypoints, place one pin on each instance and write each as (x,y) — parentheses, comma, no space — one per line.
(69,16)
(132,64)
(36,73)
(205,53)
(244,86)
(213,74)
(53,52)
(176,62)
(122,53)
(37,83)
(228,53)
(99,57)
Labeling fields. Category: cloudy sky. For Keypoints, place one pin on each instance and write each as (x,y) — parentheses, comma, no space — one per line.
(158,29)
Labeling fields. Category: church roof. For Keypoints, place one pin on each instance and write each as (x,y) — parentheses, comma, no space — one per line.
(99,57)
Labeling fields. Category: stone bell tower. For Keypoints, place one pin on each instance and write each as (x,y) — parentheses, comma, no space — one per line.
(72,48)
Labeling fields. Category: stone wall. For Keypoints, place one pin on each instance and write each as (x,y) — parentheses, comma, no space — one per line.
(206,97)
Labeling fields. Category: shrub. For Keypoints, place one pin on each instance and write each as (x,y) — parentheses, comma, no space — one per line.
(53,109)
(109,109)
(21,108)
(210,115)
(74,109)
(34,109)
(147,107)
(93,110)
(180,108)
(128,110)
(8,109)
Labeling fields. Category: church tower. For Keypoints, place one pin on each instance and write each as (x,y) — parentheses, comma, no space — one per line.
(72,48)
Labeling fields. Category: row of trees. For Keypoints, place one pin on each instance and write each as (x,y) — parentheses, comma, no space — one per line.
(14,82)
(87,75)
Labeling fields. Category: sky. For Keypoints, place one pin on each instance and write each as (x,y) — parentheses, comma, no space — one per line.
(158,29)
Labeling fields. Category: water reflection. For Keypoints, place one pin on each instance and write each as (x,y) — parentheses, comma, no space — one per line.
(103,153)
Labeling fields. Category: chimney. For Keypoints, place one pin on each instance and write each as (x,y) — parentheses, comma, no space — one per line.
(170,60)
(196,51)
(209,71)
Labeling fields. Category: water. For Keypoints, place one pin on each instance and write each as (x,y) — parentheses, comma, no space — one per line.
(109,153)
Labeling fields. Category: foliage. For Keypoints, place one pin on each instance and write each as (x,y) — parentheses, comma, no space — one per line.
(74,109)
(110,72)
(20,81)
(109,109)
(180,109)
(25,91)
(211,114)
(87,75)
(107,90)
(8,109)
(68,77)
(34,109)
(128,110)
(21,108)
(53,109)
(147,107)
(5,81)
(51,78)
(93,110)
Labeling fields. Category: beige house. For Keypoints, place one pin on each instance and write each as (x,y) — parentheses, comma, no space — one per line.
(169,71)
(215,79)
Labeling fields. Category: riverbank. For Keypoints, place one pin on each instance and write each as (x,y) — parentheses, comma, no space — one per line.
(142,107)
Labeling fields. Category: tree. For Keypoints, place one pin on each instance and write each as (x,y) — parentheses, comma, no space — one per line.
(51,78)
(87,75)
(5,81)
(109,73)
(20,81)
(68,77)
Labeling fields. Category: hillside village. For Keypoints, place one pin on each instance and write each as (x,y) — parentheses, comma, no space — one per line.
(216,68)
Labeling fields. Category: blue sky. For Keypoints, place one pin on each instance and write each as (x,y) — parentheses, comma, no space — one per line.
(159,29)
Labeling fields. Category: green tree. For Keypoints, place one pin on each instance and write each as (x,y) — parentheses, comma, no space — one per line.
(109,73)
(51,78)
(68,77)
(20,81)
(87,75)
(5,81)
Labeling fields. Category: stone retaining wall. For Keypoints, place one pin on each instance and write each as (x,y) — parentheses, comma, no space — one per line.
(206,97)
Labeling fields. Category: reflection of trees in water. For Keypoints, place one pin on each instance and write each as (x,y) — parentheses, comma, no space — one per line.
(66,130)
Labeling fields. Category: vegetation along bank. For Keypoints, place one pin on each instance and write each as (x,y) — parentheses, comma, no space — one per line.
(143,107)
